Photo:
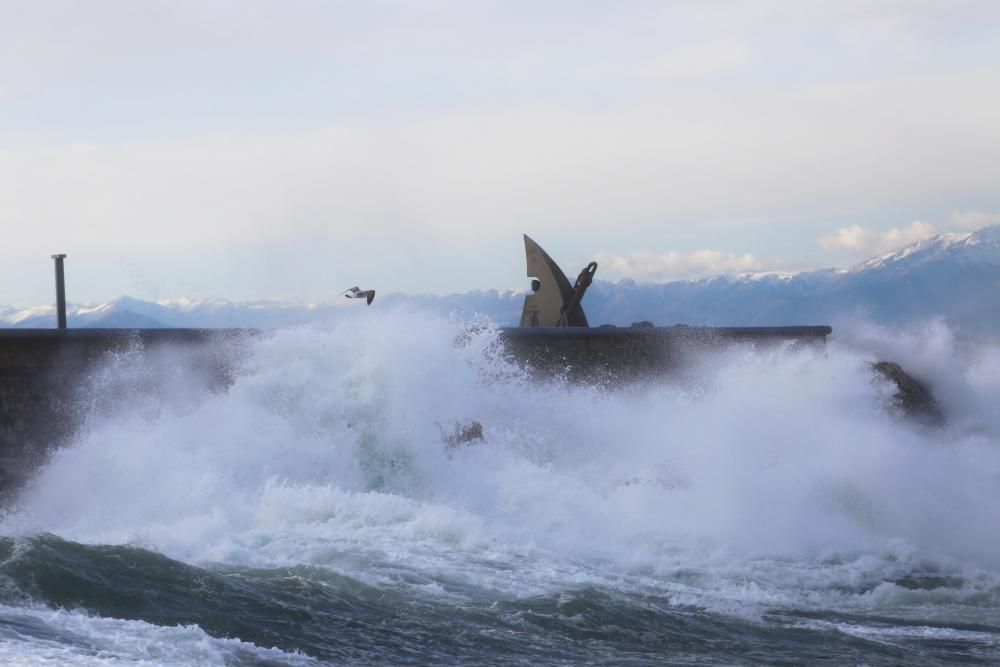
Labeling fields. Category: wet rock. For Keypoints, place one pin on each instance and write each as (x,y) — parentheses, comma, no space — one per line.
(462,433)
(912,399)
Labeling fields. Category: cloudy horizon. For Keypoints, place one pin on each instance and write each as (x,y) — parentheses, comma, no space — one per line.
(254,150)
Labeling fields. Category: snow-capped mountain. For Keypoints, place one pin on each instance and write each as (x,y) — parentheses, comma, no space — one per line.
(129,312)
(955,276)
(979,246)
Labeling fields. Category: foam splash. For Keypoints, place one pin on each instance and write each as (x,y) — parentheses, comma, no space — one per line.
(34,636)
(777,478)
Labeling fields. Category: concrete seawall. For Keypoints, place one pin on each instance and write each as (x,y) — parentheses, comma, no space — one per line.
(53,380)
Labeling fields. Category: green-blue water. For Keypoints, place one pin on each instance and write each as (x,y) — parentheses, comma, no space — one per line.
(315,614)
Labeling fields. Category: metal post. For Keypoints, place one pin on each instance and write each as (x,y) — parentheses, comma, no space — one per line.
(60,291)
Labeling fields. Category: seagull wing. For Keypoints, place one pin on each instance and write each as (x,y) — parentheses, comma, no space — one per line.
(356,293)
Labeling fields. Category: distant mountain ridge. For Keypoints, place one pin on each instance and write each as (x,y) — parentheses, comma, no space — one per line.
(955,276)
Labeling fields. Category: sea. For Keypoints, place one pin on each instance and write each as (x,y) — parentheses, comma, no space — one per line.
(765,507)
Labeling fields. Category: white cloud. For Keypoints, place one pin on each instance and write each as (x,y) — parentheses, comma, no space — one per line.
(646,266)
(861,241)
(970,221)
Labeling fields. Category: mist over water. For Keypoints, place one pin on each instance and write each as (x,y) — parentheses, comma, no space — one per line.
(771,489)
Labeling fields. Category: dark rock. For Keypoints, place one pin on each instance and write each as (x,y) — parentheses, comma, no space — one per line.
(912,398)
(462,433)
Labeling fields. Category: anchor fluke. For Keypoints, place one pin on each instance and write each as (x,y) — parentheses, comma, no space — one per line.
(553,301)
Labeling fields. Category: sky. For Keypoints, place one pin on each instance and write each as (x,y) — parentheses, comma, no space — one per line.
(291,149)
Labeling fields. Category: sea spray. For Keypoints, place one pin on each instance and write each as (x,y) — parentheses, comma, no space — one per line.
(766,483)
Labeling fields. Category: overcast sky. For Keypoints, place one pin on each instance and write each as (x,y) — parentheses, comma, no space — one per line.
(249,149)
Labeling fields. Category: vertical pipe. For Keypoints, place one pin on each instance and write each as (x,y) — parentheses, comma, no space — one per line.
(60,291)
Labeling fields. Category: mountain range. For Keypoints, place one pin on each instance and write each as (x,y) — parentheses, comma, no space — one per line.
(954,276)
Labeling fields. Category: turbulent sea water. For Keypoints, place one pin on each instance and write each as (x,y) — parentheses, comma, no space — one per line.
(766,508)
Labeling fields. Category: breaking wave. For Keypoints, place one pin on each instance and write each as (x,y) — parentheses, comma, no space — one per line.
(773,490)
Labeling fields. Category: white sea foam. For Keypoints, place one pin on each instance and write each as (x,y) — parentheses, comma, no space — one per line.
(896,634)
(33,637)
(771,479)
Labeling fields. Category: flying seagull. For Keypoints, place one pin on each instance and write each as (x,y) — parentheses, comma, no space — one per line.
(355,293)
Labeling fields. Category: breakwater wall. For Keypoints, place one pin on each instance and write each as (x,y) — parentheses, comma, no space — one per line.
(623,354)
(53,380)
